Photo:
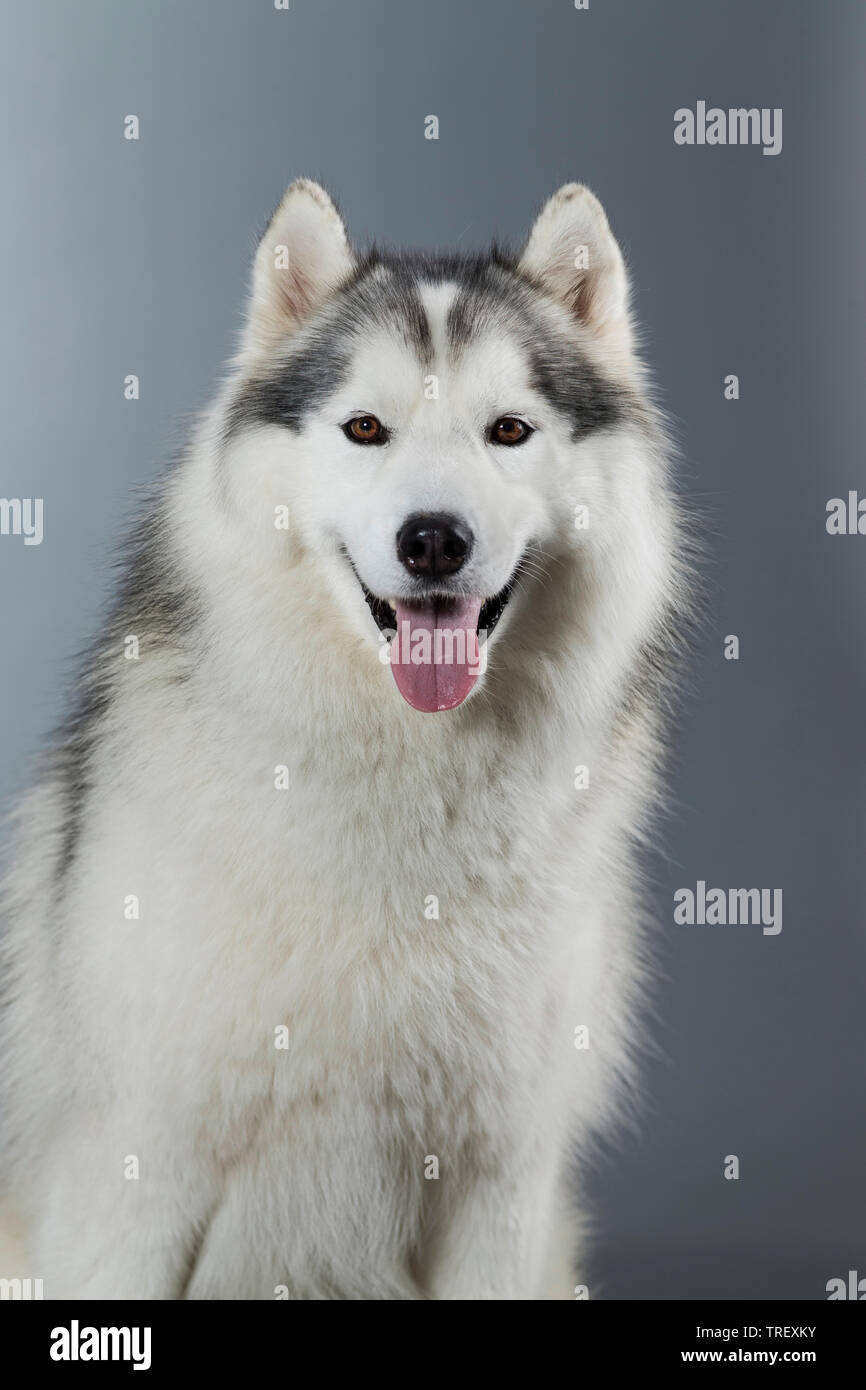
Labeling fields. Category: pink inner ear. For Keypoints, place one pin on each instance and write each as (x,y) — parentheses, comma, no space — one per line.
(583,297)
(296,291)
(595,293)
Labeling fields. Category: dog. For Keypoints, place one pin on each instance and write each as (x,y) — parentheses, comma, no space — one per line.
(325,950)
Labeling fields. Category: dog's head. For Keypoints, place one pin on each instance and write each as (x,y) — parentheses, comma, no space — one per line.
(439,427)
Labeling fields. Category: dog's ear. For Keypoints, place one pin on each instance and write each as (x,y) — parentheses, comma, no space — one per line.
(302,257)
(572,251)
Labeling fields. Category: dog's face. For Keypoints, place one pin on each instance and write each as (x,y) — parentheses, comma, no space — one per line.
(434,422)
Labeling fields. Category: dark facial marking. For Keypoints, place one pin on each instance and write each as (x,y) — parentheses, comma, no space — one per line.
(380,294)
(385,291)
(574,387)
(296,384)
(497,299)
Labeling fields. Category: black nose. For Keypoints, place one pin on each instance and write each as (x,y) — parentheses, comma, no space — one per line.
(433,546)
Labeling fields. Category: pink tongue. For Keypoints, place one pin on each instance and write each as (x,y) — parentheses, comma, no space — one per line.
(434,655)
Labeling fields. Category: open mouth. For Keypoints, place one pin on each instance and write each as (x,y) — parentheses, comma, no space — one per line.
(385,613)
(437,642)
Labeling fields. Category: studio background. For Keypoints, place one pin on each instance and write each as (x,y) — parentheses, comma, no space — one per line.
(132,257)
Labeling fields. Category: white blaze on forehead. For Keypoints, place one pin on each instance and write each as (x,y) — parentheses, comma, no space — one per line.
(437,301)
(387,373)
(386,370)
(489,372)
(486,374)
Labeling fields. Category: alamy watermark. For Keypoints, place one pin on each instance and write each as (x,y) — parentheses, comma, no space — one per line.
(21,1290)
(853,1288)
(846,516)
(77,1343)
(443,646)
(733,907)
(739,125)
(22,516)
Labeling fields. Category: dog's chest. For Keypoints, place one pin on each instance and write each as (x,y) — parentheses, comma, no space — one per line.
(380,954)
(369,939)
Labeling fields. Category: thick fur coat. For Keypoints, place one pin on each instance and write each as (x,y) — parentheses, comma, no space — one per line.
(310,993)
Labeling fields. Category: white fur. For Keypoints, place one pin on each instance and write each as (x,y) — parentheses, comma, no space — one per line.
(409,1037)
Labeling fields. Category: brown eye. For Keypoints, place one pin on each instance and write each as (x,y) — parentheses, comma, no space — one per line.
(510,430)
(365,429)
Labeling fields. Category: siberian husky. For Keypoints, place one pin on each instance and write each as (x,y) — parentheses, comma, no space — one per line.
(324,952)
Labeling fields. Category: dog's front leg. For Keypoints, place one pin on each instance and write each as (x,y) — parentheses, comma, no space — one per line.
(104,1230)
(497,1238)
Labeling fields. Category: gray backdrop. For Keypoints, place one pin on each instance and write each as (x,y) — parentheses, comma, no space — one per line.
(126,257)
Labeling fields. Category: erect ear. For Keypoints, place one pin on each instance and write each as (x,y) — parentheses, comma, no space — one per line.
(572,251)
(302,257)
